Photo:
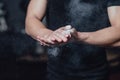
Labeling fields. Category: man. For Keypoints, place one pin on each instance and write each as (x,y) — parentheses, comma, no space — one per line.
(96,24)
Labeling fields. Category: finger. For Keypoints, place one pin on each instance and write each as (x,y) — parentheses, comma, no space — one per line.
(40,43)
(66,33)
(39,40)
(62,36)
(66,27)
(57,38)
(53,39)
(50,41)
(62,28)
(47,40)
(73,30)
(44,41)
(44,44)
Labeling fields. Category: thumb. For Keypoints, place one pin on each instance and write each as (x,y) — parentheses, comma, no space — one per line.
(67,27)
(74,32)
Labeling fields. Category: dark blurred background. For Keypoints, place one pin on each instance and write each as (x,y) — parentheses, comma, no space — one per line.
(21,57)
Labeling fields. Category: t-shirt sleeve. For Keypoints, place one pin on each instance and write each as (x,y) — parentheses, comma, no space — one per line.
(113,3)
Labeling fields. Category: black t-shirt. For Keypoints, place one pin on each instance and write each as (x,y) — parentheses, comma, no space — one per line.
(84,15)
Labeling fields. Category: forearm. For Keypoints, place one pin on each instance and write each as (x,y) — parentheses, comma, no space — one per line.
(35,28)
(35,13)
(104,37)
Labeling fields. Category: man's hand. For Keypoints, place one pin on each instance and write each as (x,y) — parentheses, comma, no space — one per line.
(59,36)
(109,36)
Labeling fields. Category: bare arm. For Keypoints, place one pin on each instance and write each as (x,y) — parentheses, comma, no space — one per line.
(105,37)
(116,44)
(35,13)
(36,29)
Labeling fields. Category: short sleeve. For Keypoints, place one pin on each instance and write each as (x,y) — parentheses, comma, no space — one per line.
(113,3)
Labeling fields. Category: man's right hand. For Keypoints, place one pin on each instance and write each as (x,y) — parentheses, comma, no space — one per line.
(54,37)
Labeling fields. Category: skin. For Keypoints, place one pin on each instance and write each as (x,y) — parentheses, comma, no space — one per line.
(105,37)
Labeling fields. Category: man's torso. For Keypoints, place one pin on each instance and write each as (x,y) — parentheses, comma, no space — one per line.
(84,15)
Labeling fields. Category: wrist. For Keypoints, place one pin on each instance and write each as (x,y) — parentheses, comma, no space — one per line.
(83,36)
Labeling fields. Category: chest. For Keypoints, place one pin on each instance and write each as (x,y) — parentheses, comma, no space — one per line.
(85,6)
(84,15)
